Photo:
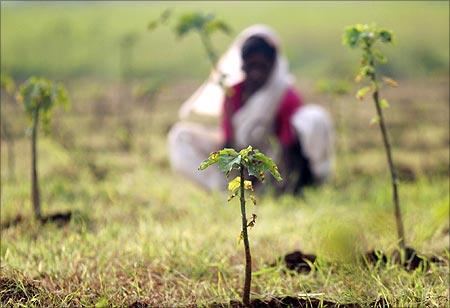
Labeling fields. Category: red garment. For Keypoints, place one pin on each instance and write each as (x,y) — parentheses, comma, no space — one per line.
(291,101)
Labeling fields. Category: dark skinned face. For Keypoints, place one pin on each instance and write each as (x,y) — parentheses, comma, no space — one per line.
(257,68)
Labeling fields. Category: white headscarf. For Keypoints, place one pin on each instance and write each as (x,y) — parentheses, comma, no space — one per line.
(251,122)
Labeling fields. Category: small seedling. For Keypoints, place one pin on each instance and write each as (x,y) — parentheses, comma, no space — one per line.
(39,97)
(365,37)
(254,163)
(203,24)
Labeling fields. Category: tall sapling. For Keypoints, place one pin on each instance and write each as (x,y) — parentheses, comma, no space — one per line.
(365,37)
(39,97)
(202,24)
(254,163)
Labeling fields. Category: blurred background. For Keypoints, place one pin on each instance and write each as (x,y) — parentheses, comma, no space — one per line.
(128,82)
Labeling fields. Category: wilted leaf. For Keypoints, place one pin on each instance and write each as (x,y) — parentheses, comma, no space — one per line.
(234,184)
(248,185)
(390,82)
(252,221)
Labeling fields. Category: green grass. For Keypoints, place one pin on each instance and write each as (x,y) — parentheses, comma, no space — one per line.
(144,234)
(75,39)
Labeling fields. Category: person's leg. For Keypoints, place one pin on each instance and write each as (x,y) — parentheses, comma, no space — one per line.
(298,169)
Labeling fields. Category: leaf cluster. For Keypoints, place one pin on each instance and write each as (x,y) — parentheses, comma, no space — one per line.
(364,37)
(200,22)
(162,19)
(253,160)
(40,96)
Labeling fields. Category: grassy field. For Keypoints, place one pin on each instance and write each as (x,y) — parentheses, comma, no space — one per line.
(141,233)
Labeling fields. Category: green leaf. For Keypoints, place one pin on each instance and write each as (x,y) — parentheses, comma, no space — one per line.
(351,36)
(192,21)
(379,56)
(384,104)
(40,95)
(362,92)
(374,120)
(212,159)
(385,36)
(217,25)
(267,164)
(228,162)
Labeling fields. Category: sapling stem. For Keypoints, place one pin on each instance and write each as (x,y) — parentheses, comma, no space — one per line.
(364,37)
(255,163)
(394,177)
(248,257)
(34,175)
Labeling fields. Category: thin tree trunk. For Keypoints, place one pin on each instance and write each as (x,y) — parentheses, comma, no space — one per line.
(34,175)
(394,178)
(248,257)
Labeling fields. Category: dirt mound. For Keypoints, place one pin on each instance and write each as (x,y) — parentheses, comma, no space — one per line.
(410,259)
(299,261)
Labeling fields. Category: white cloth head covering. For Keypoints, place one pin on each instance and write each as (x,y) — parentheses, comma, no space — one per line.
(252,122)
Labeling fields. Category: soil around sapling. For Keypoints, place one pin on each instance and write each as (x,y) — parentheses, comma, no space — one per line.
(11,223)
(300,262)
(59,218)
(410,261)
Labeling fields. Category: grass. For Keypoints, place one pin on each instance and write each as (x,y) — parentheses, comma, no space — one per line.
(144,234)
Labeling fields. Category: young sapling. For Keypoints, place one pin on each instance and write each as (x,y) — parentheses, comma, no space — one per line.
(203,24)
(39,97)
(249,162)
(365,37)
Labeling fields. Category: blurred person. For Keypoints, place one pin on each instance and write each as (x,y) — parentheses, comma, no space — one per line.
(251,89)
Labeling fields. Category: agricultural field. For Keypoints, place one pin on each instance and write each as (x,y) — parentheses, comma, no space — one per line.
(141,235)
